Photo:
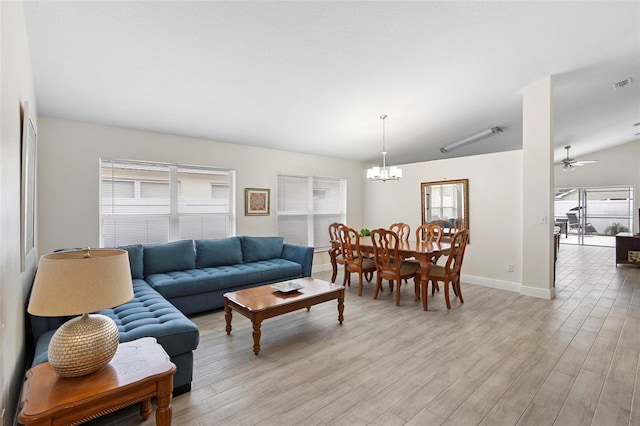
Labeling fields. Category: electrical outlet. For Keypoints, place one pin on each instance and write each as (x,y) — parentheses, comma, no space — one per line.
(510,267)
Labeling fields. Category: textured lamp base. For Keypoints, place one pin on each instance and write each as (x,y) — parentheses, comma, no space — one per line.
(83,345)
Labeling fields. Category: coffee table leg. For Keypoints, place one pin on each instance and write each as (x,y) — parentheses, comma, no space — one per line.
(257,323)
(227,315)
(145,409)
(163,402)
(341,306)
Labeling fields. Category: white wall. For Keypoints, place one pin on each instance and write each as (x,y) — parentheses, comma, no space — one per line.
(617,166)
(537,184)
(68,176)
(16,86)
(495,210)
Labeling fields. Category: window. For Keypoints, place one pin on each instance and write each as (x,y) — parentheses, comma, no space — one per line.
(151,203)
(306,207)
(446,200)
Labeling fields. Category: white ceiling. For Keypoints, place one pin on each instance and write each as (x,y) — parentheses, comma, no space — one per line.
(314,77)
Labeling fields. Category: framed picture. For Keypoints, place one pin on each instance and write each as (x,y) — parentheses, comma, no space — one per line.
(256,202)
(27,186)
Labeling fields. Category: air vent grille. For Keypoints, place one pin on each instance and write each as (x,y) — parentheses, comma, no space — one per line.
(622,83)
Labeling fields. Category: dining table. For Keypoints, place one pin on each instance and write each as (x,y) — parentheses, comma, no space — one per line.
(422,251)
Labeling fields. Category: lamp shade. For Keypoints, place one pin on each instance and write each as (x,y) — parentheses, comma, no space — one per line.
(80,281)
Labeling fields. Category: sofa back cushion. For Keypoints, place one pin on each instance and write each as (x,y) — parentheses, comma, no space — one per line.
(167,257)
(222,252)
(255,249)
(135,260)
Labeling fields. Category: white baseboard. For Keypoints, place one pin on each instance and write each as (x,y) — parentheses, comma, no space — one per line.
(509,286)
(540,293)
(489,282)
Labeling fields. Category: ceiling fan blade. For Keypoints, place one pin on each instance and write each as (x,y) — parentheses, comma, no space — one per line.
(581,162)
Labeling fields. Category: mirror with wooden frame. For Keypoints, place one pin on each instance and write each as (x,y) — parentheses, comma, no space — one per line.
(445,200)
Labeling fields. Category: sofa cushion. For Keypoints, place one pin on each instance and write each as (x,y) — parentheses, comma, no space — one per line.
(164,257)
(255,249)
(198,281)
(135,259)
(222,252)
(148,314)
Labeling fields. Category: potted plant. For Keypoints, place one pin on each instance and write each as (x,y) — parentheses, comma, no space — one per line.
(615,228)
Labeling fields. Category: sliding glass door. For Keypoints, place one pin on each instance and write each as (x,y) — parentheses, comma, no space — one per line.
(593,216)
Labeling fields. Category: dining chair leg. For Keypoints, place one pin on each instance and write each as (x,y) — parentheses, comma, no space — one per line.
(416,288)
(378,286)
(359,283)
(446,293)
(423,286)
(334,272)
(459,292)
(347,277)
(398,292)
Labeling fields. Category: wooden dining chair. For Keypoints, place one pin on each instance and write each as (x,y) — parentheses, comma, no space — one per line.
(449,273)
(353,259)
(447,228)
(429,233)
(335,253)
(402,229)
(458,223)
(388,263)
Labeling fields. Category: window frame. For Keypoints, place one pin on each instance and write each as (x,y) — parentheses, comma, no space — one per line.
(175,204)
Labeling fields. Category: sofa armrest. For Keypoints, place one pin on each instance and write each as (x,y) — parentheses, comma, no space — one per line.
(299,254)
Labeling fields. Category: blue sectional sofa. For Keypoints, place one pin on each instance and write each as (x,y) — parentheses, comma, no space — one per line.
(180,278)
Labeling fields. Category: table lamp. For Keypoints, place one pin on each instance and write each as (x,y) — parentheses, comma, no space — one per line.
(77,283)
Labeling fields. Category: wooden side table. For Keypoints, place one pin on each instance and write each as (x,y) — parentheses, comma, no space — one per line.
(139,371)
(627,242)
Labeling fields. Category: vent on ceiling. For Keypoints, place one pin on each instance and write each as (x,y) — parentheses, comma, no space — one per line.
(622,83)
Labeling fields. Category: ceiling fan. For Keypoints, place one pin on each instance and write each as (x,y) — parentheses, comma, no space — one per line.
(570,163)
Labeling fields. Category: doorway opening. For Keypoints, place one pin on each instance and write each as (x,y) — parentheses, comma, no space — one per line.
(593,216)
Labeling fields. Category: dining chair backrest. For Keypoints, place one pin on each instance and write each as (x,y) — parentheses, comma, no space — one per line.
(350,245)
(402,229)
(333,231)
(429,233)
(385,249)
(458,223)
(456,255)
(446,227)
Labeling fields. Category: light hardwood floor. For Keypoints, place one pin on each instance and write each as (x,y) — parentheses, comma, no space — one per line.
(498,359)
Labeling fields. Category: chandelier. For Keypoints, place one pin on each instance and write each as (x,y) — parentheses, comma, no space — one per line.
(385,172)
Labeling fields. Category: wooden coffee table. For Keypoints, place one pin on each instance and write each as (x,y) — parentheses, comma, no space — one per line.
(260,303)
(140,370)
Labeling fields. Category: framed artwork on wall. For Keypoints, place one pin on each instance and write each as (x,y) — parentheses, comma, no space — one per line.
(256,202)
(27,185)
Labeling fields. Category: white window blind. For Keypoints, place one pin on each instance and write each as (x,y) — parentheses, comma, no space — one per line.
(307,205)
(144,202)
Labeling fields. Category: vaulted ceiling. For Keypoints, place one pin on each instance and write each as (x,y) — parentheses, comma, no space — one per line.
(314,77)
